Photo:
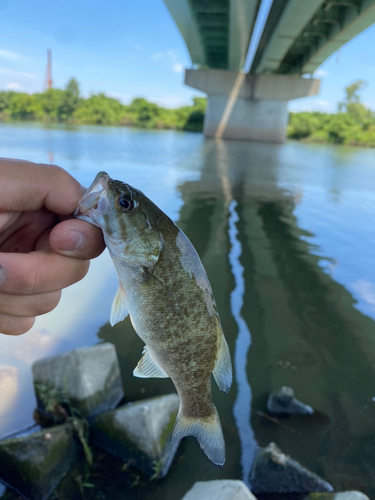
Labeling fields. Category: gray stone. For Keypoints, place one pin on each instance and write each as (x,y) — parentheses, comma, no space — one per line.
(283,401)
(274,472)
(138,432)
(344,495)
(223,489)
(34,465)
(88,377)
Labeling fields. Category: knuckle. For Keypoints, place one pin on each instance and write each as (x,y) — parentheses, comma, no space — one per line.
(31,279)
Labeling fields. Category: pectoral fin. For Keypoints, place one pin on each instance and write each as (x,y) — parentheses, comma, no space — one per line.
(147,367)
(222,371)
(119,309)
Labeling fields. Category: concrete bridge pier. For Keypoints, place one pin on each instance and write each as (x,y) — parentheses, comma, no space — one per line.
(259,113)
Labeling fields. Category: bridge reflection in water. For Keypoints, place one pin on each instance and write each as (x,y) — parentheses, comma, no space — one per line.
(252,217)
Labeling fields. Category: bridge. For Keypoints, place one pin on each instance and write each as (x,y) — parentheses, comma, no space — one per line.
(297,37)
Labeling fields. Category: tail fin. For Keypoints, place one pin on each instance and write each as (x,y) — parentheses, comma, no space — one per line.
(208,432)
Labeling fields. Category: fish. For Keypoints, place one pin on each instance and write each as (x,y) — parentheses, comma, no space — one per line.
(164,288)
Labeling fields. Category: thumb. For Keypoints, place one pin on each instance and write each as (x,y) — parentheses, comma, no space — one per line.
(77,238)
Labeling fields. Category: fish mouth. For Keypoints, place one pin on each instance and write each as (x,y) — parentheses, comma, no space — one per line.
(94,198)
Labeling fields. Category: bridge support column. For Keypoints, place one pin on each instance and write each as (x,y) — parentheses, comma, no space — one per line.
(260,111)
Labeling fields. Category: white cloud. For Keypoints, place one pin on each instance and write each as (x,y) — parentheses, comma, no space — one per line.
(171,57)
(315,105)
(178,67)
(12,72)
(10,56)
(320,73)
(124,98)
(169,101)
(366,291)
(13,86)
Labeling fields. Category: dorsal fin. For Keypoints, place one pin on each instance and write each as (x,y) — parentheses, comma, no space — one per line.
(147,367)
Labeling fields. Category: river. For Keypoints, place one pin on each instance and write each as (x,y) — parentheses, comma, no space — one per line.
(286,234)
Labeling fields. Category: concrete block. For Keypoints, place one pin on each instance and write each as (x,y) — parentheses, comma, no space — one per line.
(274,472)
(33,465)
(139,432)
(223,489)
(88,377)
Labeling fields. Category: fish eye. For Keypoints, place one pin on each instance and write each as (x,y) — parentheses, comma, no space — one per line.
(126,204)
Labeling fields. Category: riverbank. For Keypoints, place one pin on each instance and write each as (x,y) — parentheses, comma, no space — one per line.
(67,106)
(352,125)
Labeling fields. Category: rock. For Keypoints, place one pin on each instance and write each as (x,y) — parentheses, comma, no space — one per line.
(283,401)
(344,495)
(224,489)
(88,377)
(274,472)
(138,432)
(33,465)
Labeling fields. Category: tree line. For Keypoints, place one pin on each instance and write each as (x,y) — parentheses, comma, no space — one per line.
(353,124)
(67,106)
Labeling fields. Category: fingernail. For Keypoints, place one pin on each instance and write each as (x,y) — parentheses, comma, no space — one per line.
(2,274)
(73,240)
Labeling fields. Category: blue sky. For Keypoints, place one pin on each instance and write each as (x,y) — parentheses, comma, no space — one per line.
(129,48)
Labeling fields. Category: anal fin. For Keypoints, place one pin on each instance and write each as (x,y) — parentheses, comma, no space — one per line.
(147,367)
(119,309)
(222,371)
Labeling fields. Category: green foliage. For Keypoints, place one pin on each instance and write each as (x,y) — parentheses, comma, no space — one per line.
(70,100)
(24,107)
(354,124)
(67,106)
(99,110)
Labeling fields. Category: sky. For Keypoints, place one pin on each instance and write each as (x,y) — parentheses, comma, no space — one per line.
(129,49)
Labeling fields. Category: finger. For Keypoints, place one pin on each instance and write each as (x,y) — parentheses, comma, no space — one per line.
(37,272)
(30,186)
(77,238)
(25,306)
(12,325)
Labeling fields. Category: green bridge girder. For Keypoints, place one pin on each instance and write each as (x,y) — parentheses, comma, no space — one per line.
(299,35)
(216,32)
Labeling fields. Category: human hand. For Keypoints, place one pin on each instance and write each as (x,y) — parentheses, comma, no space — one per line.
(42,250)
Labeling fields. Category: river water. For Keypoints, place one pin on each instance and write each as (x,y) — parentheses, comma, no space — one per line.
(286,234)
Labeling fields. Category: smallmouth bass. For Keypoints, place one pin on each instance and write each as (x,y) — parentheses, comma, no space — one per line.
(165,290)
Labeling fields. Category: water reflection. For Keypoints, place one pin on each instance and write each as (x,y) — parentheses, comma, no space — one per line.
(242,406)
(286,236)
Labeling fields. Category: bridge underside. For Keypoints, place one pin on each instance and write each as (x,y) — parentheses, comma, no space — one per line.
(299,36)
(216,32)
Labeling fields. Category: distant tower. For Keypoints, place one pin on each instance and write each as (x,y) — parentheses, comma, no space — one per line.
(48,76)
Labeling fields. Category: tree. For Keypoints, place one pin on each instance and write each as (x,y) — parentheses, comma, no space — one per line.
(353,106)
(25,107)
(51,101)
(70,100)
(100,110)
(146,112)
